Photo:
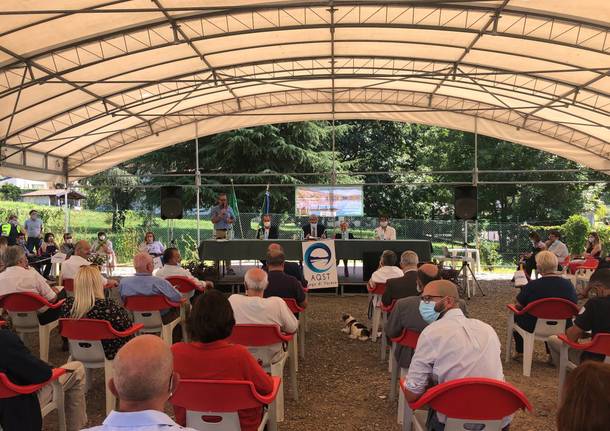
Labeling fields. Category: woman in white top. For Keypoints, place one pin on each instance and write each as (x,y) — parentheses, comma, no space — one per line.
(385,232)
(102,246)
(151,245)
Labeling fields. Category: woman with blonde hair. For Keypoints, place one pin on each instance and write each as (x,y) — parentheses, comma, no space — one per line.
(89,302)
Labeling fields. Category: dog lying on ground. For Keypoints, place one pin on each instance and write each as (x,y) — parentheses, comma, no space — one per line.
(355,329)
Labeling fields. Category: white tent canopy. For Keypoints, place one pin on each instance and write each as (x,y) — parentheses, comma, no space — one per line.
(87,85)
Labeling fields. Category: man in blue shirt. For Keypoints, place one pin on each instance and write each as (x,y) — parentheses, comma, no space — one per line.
(33,229)
(223,219)
(143,381)
(145,284)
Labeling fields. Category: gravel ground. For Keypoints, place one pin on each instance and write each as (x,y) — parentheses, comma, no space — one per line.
(344,386)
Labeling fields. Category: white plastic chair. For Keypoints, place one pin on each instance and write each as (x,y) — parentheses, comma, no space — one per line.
(551,314)
(147,311)
(375,293)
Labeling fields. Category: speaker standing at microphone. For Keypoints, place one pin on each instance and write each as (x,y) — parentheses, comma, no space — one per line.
(223,218)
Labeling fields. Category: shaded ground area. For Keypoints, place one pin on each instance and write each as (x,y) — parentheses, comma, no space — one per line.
(344,386)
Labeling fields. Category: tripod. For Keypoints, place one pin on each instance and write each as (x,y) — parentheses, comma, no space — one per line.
(466,270)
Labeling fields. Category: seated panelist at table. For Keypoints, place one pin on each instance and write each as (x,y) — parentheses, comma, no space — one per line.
(384,231)
(314,229)
(268,231)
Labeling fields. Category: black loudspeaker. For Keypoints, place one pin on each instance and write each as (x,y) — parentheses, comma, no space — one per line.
(171,202)
(465,203)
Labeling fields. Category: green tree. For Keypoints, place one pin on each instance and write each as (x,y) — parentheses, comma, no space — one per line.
(10,192)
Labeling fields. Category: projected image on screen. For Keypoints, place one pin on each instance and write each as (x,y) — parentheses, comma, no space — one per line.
(345,201)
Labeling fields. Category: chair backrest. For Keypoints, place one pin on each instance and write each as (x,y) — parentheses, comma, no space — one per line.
(293,306)
(378,289)
(86,329)
(258,335)
(68,284)
(388,308)
(213,404)
(183,284)
(551,309)
(408,338)
(147,310)
(475,400)
(26,301)
(9,390)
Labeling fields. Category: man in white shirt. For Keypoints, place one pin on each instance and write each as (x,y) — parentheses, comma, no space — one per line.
(143,381)
(555,246)
(172,268)
(253,308)
(451,347)
(70,267)
(387,269)
(20,278)
(385,232)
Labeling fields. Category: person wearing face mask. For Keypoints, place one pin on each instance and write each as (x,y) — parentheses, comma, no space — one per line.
(268,231)
(344,234)
(10,230)
(314,229)
(384,231)
(528,260)
(452,346)
(102,246)
(47,249)
(593,251)
(33,228)
(67,247)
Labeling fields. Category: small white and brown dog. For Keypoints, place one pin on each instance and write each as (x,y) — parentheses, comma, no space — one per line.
(355,329)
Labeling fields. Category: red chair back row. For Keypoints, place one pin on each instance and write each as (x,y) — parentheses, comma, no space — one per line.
(26,302)
(408,338)
(599,344)
(378,289)
(548,308)
(68,284)
(258,335)
(183,284)
(9,390)
(150,303)
(93,330)
(293,306)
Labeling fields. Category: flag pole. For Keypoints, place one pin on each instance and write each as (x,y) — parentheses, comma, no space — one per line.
(241,230)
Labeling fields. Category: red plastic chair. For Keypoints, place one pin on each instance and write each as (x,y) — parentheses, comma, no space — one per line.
(85,337)
(385,312)
(409,339)
(23,310)
(551,314)
(262,341)
(68,284)
(375,294)
(300,335)
(147,311)
(9,390)
(186,286)
(599,344)
(470,402)
(2,323)
(213,404)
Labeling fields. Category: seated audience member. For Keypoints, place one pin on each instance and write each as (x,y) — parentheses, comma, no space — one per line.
(146,284)
(449,339)
(386,270)
(280,283)
(585,405)
(82,251)
(594,246)
(344,234)
(89,302)
(594,317)
(210,323)
(555,246)
(172,268)
(384,231)
(253,308)
(47,249)
(19,277)
(550,285)
(143,381)
(67,247)
(528,260)
(268,230)
(151,246)
(102,246)
(22,368)
(3,247)
(425,274)
(406,285)
(414,314)
(290,268)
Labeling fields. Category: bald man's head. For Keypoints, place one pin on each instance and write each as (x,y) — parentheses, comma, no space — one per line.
(143,262)
(444,293)
(274,246)
(82,248)
(256,281)
(426,273)
(143,369)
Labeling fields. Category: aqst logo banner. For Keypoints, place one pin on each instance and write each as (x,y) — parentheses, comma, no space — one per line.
(320,264)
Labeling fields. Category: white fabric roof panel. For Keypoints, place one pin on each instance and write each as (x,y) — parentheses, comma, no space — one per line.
(86,85)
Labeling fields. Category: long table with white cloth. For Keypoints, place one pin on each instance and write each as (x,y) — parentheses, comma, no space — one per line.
(366,250)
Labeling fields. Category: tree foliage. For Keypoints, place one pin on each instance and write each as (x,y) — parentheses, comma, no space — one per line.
(10,192)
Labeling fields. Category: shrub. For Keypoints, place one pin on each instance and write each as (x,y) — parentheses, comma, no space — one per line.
(575,231)
(489,254)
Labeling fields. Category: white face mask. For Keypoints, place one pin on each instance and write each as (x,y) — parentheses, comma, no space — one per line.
(102,238)
(267,224)
(383,224)
(591,239)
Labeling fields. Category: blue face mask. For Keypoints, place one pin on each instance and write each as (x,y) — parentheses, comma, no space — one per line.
(427,312)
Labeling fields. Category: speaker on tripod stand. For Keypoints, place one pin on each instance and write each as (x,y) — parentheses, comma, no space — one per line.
(465,202)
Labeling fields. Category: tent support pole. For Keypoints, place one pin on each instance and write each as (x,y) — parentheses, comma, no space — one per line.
(197,179)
